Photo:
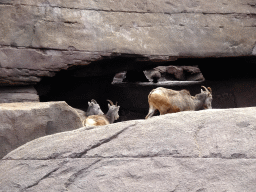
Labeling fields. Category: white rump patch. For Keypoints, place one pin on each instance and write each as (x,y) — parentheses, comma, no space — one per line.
(90,122)
(159,92)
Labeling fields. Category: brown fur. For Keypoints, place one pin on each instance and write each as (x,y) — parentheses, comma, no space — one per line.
(166,105)
(96,120)
(170,101)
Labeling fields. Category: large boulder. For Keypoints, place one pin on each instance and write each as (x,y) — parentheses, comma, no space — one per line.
(23,122)
(210,150)
(38,38)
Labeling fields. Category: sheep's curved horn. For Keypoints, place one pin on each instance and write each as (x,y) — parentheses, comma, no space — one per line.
(110,102)
(205,89)
(95,102)
(209,88)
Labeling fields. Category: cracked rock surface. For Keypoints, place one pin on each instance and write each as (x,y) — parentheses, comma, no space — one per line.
(39,38)
(210,150)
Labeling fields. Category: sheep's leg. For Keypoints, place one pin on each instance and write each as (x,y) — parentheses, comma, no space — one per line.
(151,111)
(163,112)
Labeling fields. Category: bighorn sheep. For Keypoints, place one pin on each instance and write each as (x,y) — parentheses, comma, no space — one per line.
(93,109)
(110,117)
(171,101)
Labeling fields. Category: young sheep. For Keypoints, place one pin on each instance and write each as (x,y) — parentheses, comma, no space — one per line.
(110,117)
(93,109)
(171,101)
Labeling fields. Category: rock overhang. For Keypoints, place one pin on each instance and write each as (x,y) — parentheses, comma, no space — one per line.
(39,39)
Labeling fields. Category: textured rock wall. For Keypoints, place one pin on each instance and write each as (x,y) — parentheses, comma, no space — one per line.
(38,38)
(210,150)
(23,122)
(18,94)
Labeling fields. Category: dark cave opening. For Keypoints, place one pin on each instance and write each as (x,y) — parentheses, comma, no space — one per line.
(231,79)
(228,68)
(80,84)
(76,91)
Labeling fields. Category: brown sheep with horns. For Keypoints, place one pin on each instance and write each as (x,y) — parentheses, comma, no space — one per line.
(171,101)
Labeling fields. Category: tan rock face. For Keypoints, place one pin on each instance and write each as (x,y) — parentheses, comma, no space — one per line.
(55,35)
(23,122)
(210,150)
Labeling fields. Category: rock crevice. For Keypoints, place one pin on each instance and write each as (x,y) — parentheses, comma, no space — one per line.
(101,142)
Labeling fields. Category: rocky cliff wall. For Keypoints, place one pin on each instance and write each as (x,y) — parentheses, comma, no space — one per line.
(38,38)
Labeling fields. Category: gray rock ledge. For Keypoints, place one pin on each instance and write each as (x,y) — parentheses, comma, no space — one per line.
(210,150)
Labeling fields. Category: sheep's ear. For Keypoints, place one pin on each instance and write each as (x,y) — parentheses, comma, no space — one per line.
(89,103)
(202,91)
(109,105)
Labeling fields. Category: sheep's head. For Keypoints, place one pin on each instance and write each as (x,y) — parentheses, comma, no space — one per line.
(113,109)
(208,100)
(94,108)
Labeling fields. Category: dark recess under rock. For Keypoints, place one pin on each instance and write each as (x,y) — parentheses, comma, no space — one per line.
(233,86)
